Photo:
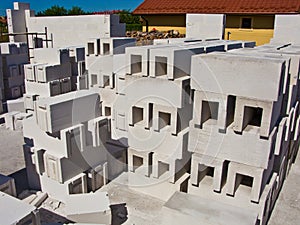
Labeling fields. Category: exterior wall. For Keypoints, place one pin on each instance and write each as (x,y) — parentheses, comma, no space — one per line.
(287,24)
(16,21)
(262,28)
(166,22)
(205,26)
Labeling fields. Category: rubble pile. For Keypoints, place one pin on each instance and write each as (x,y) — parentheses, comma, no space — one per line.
(144,38)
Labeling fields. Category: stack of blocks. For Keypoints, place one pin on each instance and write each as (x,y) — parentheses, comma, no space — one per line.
(245,126)
(53,72)
(13,57)
(218,120)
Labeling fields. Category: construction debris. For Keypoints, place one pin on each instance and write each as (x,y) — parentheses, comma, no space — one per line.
(146,38)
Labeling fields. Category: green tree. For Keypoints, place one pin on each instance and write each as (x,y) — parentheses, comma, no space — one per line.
(75,10)
(132,22)
(127,17)
(54,11)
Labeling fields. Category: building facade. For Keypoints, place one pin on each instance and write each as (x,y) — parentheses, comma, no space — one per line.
(244,20)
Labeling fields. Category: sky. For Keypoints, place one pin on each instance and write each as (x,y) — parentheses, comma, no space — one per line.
(87,5)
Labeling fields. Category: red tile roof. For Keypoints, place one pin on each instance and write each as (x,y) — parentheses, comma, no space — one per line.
(218,6)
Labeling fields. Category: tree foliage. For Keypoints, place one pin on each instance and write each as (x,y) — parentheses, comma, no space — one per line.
(75,10)
(62,11)
(132,22)
(127,17)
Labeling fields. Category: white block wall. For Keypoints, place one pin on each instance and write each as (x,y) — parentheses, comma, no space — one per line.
(205,26)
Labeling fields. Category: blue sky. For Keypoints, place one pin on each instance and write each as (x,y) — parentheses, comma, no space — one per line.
(87,5)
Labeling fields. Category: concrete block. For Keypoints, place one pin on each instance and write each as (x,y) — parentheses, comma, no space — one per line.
(46,73)
(59,112)
(256,113)
(91,26)
(210,142)
(205,26)
(29,102)
(115,46)
(89,208)
(285,24)
(7,185)
(137,60)
(51,55)
(10,120)
(9,48)
(235,170)
(93,47)
(177,96)
(214,77)
(185,208)
(22,211)
(203,165)
(30,71)
(175,41)
(78,53)
(172,62)
(65,85)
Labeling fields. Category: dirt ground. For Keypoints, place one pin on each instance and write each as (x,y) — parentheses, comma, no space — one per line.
(11,151)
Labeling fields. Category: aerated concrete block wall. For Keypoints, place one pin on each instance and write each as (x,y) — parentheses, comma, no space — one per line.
(52,72)
(205,26)
(13,57)
(239,134)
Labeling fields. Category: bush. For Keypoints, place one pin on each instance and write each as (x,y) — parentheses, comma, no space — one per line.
(134,27)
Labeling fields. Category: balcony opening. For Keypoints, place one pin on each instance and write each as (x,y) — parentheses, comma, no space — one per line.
(162,168)
(205,174)
(164,119)
(187,94)
(252,116)
(91,48)
(106,80)
(230,109)
(107,111)
(137,162)
(209,112)
(246,180)
(76,187)
(98,47)
(106,49)
(150,115)
(95,180)
(136,64)
(94,79)
(161,66)
(82,68)
(224,173)
(137,114)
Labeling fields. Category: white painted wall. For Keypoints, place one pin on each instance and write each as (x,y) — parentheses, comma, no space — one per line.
(205,26)
(66,30)
(75,30)
(16,21)
(287,29)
